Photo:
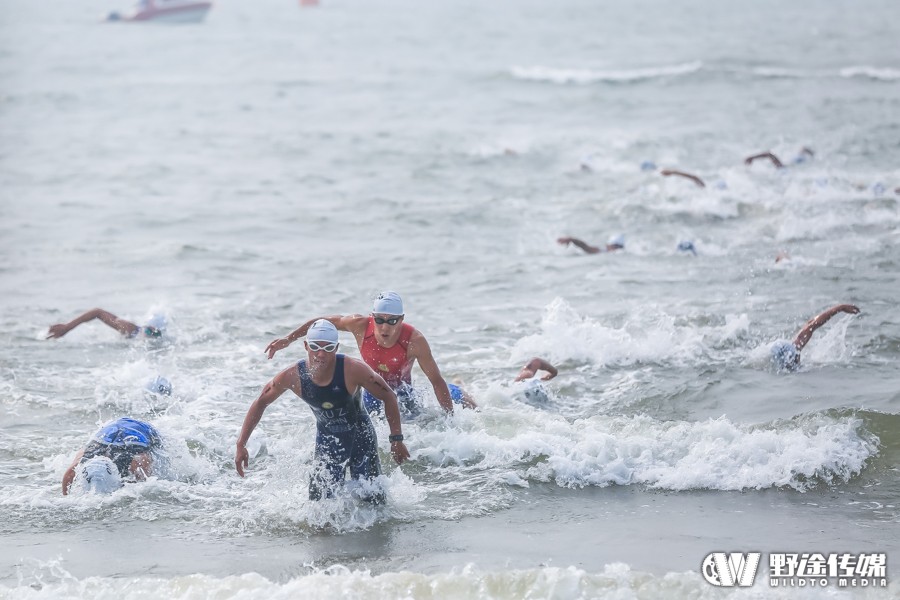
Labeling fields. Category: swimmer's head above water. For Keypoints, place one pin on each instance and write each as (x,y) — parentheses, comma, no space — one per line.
(388,303)
(785,356)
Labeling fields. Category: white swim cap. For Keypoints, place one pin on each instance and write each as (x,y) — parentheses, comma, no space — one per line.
(159,385)
(100,475)
(617,240)
(322,331)
(785,356)
(388,303)
(157,321)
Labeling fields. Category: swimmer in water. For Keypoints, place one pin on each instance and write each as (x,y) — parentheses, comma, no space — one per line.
(785,355)
(616,242)
(390,346)
(531,387)
(805,155)
(120,449)
(153,328)
(687,246)
(158,385)
(533,366)
(694,178)
(345,438)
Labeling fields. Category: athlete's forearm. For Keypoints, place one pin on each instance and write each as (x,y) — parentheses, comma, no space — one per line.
(442,393)
(816,322)
(585,246)
(300,331)
(378,388)
(67,480)
(255,412)
(69,475)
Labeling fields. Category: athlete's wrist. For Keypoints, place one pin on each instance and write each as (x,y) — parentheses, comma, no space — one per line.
(396,438)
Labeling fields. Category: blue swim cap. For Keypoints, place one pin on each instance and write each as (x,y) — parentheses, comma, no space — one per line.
(648,165)
(687,246)
(785,356)
(159,385)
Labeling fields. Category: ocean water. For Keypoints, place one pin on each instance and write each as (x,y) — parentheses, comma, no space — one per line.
(275,163)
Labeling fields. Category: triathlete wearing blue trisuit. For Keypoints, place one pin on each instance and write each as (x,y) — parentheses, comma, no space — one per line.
(330,384)
(345,437)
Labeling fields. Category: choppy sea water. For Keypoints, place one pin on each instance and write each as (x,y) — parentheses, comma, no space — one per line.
(274,163)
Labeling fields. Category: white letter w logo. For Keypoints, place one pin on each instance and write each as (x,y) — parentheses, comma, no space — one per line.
(728,570)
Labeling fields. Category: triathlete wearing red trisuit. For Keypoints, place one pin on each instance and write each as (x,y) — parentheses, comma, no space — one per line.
(391,363)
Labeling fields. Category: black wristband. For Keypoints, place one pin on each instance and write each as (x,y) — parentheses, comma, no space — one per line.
(396,438)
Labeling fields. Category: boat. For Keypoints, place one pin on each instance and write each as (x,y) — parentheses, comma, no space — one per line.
(164,11)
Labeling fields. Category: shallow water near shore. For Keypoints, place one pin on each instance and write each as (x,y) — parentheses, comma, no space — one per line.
(273,164)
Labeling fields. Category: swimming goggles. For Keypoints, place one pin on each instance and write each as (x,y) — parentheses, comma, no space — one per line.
(389,321)
(327,346)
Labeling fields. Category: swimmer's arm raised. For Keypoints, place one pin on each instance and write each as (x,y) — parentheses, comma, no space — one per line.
(565,241)
(749,160)
(533,366)
(805,334)
(694,178)
(121,325)
(351,323)
(69,475)
(283,381)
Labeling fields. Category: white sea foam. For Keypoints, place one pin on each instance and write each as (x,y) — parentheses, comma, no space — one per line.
(616,580)
(878,73)
(782,72)
(715,454)
(647,336)
(587,76)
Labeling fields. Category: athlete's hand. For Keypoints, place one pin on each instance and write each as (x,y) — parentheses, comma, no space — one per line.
(399,452)
(850,308)
(57,331)
(276,345)
(241,459)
